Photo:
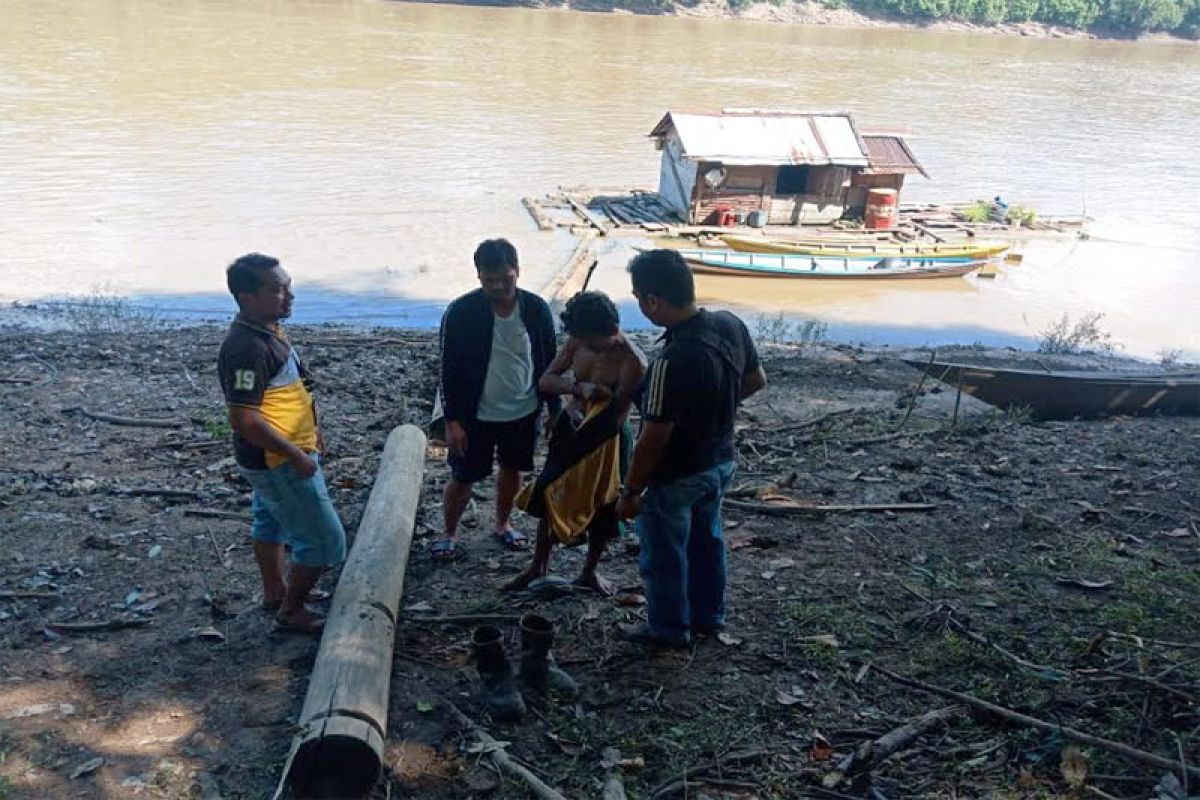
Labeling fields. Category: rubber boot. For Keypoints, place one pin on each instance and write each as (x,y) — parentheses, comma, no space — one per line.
(539,673)
(499,689)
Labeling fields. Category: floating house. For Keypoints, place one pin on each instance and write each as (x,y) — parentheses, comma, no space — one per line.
(791,167)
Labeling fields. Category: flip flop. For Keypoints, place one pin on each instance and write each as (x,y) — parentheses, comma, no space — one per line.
(313,628)
(445,550)
(315,596)
(512,540)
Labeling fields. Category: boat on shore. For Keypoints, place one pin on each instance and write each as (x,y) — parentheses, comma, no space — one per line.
(769,265)
(842,249)
(1068,394)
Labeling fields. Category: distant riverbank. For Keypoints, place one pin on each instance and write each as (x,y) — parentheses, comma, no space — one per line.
(999,17)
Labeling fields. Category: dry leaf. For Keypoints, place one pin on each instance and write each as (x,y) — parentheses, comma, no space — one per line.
(1178,533)
(1074,766)
(727,640)
(786,698)
(821,749)
(630,600)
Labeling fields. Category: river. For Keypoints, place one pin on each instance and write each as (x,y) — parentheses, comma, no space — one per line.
(370,145)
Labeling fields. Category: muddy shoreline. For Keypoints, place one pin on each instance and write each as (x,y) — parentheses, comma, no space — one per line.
(1054,573)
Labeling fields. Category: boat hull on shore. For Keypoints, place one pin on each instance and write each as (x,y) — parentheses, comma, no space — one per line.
(768,265)
(751,244)
(1070,394)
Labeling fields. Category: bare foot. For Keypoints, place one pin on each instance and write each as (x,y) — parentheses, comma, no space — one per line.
(521,581)
(596,582)
(303,621)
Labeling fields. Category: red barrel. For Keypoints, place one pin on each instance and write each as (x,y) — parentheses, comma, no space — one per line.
(881,209)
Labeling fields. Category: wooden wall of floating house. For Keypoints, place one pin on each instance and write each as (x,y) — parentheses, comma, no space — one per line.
(823,199)
(861,183)
(676,177)
(745,189)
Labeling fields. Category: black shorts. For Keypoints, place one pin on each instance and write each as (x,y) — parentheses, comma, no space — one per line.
(511,443)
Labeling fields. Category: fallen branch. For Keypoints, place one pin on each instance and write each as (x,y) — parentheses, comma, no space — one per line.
(27,595)
(792,427)
(798,510)
(132,422)
(93,627)
(692,772)
(1015,716)
(152,491)
(216,514)
(466,619)
(501,759)
(873,752)
(1016,659)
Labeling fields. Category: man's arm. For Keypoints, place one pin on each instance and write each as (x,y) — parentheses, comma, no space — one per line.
(251,426)
(647,455)
(753,381)
(549,345)
(554,380)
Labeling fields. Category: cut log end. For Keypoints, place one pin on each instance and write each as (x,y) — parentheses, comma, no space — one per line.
(334,767)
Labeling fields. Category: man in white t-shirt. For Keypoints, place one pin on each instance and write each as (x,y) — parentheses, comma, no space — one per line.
(496,342)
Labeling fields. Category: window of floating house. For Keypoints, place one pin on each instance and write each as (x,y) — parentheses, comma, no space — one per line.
(792,180)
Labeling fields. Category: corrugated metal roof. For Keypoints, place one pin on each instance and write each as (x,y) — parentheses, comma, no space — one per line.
(890,154)
(767,138)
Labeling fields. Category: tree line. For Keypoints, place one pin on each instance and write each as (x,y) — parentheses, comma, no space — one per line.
(1119,17)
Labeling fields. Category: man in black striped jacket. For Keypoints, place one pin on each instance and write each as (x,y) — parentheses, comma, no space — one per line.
(684,457)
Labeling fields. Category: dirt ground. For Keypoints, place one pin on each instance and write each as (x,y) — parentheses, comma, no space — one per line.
(1055,575)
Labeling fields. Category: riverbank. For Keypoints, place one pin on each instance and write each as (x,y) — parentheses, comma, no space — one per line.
(807,12)
(138,661)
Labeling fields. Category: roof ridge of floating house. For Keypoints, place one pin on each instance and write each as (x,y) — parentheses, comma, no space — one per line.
(791,166)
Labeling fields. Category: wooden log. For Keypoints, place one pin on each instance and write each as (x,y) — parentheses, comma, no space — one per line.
(588,216)
(571,276)
(338,750)
(540,218)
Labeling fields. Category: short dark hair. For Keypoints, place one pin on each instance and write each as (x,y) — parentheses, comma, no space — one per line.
(495,255)
(664,274)
(243,276)
(590,314)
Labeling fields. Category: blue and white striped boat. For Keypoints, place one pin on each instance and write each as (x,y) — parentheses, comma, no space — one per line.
(772,265)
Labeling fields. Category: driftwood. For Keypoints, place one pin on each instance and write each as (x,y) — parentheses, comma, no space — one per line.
(870,754)
(132,422)
(504,763)
(1119,748)
(797,510)
(338,750)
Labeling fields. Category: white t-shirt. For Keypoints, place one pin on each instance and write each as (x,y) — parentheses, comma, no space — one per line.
(508,390)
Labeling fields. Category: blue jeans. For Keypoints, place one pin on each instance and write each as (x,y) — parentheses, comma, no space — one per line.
(290,509)
(683,552)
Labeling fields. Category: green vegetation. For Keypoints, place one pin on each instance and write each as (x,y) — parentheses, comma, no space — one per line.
(1123,17)
(777,330)
(104,311)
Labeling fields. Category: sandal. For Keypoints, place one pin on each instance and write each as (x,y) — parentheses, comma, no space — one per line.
(511,539)
(313,625)
(445,550)
(315,596)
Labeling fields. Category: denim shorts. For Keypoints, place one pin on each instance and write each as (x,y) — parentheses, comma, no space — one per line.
(288,509)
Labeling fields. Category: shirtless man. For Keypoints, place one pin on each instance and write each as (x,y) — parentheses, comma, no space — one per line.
(596,364)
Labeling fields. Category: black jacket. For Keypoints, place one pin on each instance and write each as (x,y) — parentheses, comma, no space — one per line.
(466,344)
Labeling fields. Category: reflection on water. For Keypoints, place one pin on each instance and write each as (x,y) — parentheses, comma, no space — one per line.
(372,144)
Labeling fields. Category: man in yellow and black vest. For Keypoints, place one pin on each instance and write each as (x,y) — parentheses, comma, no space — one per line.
(276,441)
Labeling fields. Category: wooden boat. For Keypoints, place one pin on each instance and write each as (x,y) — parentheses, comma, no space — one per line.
(752,244)
(767,265)
(1067,394)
